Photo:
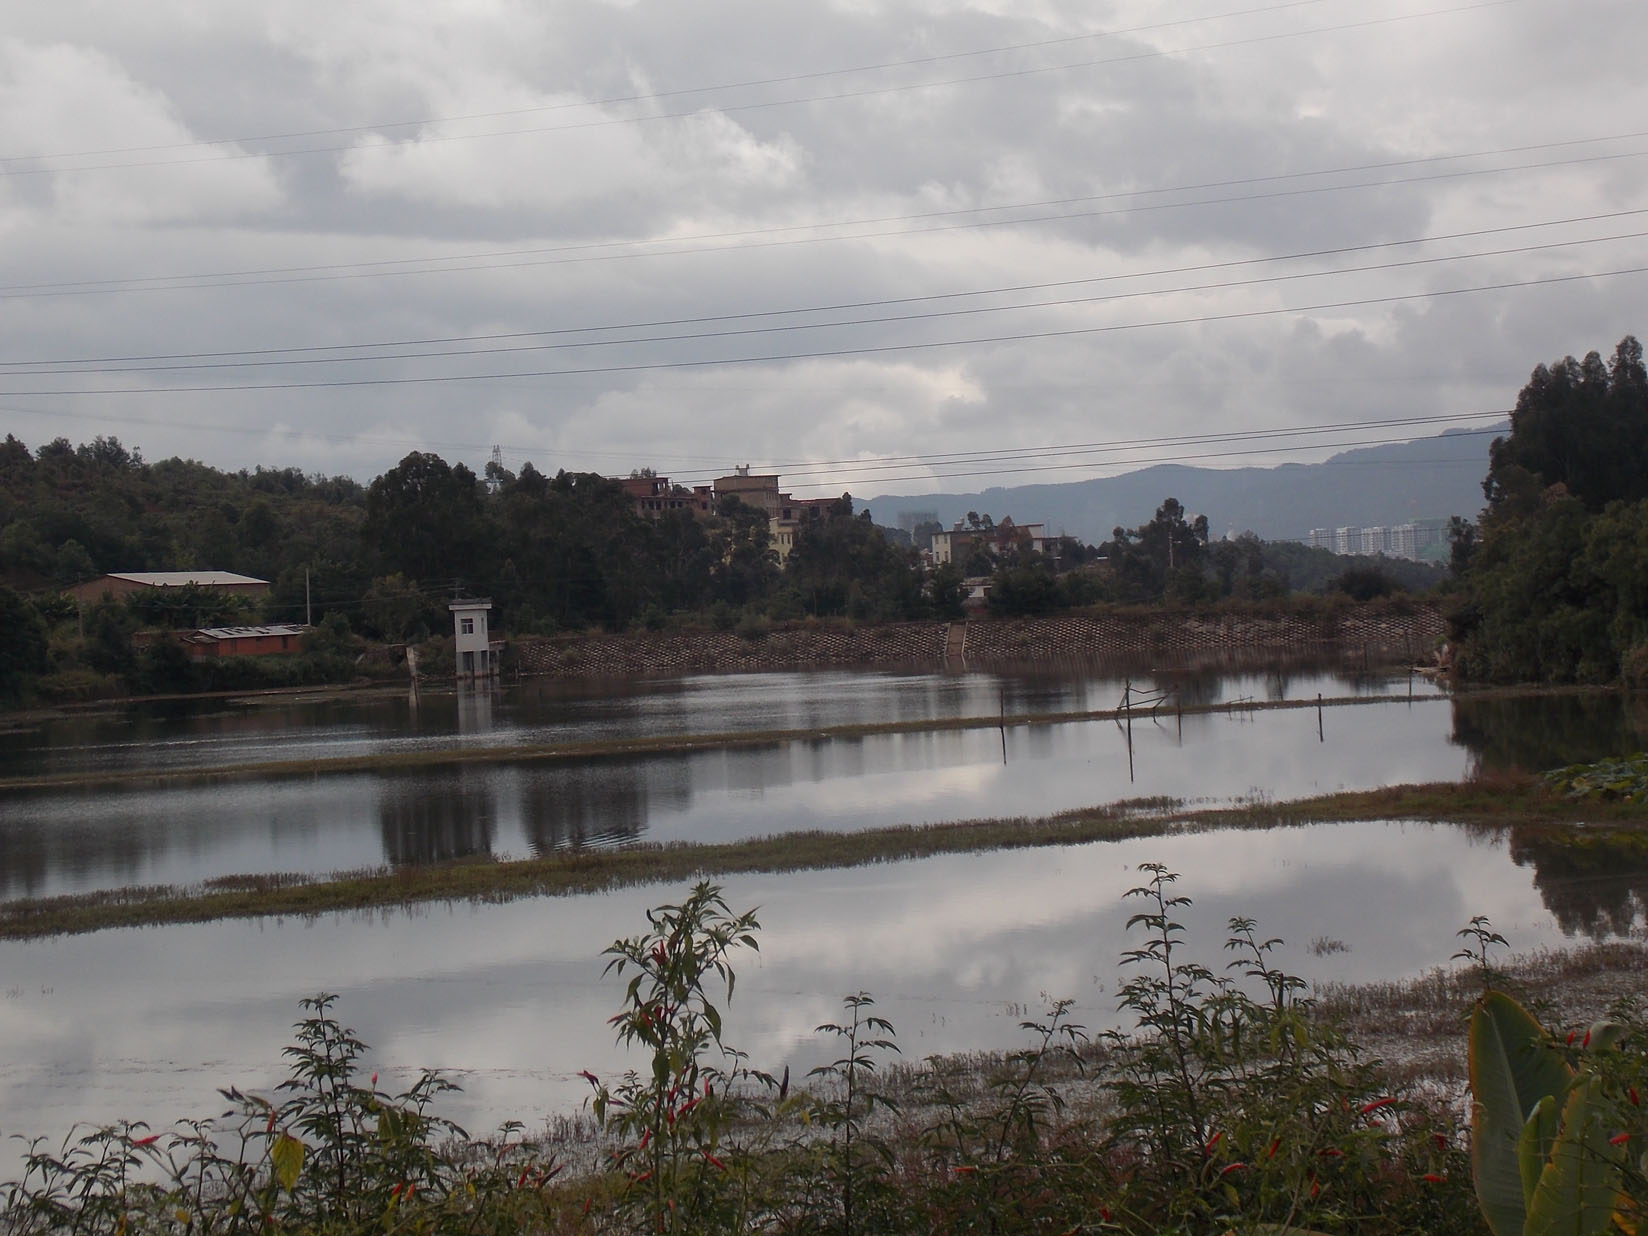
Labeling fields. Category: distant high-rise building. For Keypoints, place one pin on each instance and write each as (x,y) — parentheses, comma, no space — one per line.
(1347,540)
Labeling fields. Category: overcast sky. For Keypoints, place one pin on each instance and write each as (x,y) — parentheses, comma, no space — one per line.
(867,243)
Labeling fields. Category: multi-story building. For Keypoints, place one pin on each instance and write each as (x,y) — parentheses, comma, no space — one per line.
(785,514)
(653,496)
(957,544)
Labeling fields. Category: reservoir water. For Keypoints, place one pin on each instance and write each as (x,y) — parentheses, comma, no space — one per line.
(148,1023)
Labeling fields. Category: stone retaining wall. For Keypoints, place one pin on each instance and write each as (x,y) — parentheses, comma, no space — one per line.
(1384,633)
(1360,632)
(903,643)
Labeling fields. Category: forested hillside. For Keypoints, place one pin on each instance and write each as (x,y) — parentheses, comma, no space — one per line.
(555,553)
(1557,572)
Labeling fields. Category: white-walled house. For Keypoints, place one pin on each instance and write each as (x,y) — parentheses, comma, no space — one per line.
(472,640)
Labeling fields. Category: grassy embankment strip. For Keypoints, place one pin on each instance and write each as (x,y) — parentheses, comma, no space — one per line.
(1505,802)
(619,748)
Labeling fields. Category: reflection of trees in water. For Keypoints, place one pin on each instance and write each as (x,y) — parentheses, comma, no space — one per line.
(602,803)
(1595,884)
(435,819)
(57,849)
(1535,733)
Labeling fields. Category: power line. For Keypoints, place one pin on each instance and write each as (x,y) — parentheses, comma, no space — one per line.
(1131,463)
(1116,444)
(833,353)
(592,250)
(247,358)
(867,92)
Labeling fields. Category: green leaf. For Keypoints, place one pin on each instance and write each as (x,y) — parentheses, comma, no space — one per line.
(1579,1187)
(286,1156)
(1533,1147)
(1511,1068)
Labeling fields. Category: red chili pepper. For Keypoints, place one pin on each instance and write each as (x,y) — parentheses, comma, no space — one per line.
(589,1077)
(1231,1167)
(1370,1108)
(1271,1153)
(1213,1141)
(1332,1152)
(1571,1037)
(147,1141)
(1434,1178)
(964,1169)
(1631,1093)
(1441,1142)
(1619,1139)
(1586,1041)
(713,1161)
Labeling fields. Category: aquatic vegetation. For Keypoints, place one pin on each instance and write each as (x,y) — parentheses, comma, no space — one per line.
(1622,780)
(1227,1105)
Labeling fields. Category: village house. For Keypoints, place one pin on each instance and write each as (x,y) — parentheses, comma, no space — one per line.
(958,544)
(785,514)
(137,581)
(273,639)
(653,496)
(474,653)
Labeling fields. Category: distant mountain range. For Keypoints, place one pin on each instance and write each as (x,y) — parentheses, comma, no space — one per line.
(1428,478)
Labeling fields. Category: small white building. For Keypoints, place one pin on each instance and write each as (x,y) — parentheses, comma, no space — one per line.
(472,641)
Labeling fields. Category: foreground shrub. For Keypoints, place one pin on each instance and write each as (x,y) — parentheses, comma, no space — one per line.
(1226,1106)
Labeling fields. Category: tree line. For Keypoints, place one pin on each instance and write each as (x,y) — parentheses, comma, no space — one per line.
(554,552)
(1555,570)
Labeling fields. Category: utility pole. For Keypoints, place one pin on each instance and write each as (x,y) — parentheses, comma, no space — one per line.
(308,616)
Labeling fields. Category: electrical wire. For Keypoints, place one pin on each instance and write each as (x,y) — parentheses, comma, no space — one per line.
(350,271)
(836,353)
(250,357)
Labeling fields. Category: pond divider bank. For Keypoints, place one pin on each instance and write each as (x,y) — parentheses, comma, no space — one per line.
(1492,803)
(1374,632)
(646,745)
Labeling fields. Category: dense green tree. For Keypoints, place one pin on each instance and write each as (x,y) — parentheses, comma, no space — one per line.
(23,650)
(424,520)
(744,566)
(1555,574)
(1579,424)
(1161,558)
(839,552)
(394,609)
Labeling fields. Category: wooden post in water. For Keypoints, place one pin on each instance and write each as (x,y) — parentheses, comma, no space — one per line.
(1319,735)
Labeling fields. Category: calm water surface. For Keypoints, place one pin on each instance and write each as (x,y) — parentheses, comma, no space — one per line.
(957,950)
(73,841)
(192,734)
(77,840)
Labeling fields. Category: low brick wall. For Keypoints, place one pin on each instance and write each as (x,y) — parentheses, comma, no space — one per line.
(1381,633)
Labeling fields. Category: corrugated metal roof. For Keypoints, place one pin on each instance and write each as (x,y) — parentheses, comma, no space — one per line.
(279,628)
(181,579)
